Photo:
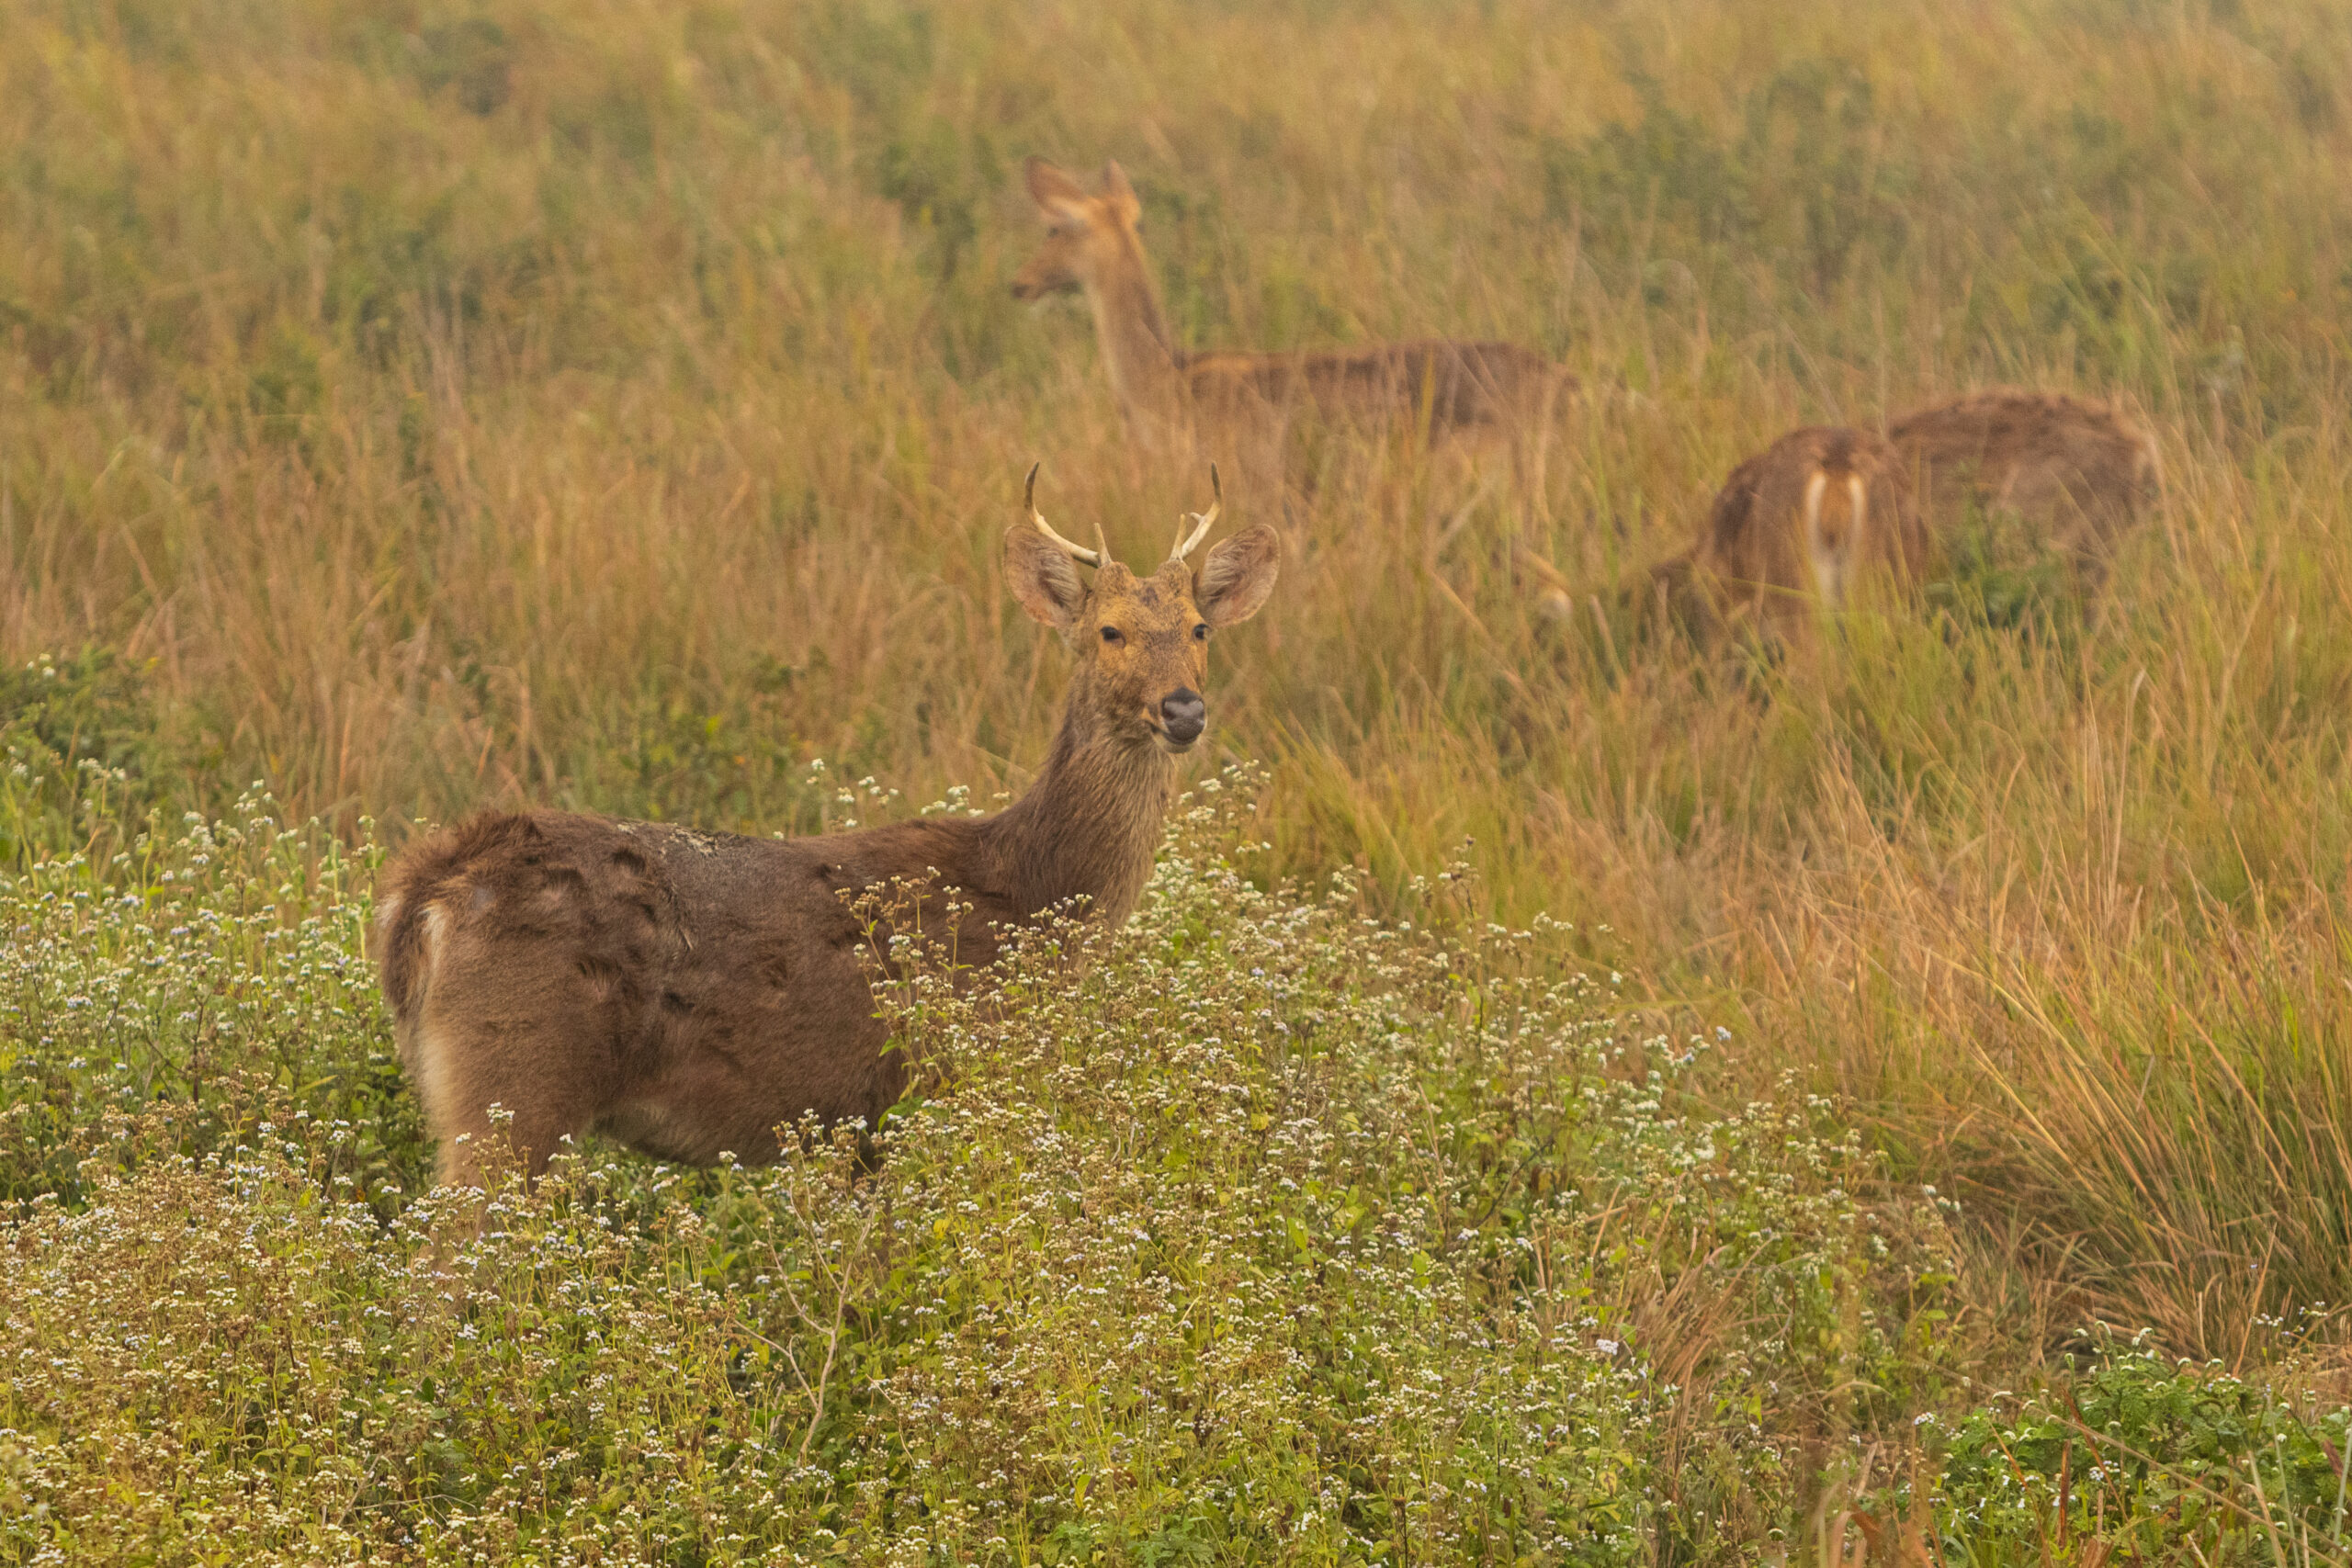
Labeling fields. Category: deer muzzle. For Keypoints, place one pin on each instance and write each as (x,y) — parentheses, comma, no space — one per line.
(1033,282)
(1182,716)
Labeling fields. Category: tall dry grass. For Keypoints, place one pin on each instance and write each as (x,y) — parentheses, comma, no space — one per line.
(616,404)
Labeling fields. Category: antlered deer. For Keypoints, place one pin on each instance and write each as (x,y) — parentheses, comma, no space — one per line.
(2078,472)
(1815,518)
(1243,402)
(688,992)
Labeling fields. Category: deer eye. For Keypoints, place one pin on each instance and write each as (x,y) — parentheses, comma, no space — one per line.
(1113,636)
(1200,632)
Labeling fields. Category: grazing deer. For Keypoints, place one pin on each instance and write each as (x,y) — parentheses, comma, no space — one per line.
(1816,517)
(1240,402)
(2078,472)
(689,992)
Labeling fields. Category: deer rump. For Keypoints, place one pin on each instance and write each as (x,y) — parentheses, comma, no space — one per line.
(683,992)
(1821,517)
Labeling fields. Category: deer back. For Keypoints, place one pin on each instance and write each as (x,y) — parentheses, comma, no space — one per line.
(2079,472)
(686,991)
(1441,384)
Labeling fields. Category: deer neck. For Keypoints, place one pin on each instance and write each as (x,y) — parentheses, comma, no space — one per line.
(1090,825)
(1136,350)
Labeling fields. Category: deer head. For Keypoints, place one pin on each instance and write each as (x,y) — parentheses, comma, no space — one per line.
(1142,641)
(1087,235)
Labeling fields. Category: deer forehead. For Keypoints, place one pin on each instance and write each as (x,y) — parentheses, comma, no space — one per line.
(1163,602)
(1104,234)
(1094,212)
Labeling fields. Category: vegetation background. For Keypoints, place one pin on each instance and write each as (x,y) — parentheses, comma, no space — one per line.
(616,404)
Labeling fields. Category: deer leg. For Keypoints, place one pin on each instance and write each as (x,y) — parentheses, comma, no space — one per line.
(1531,452)
(2085,541)
(1442,536)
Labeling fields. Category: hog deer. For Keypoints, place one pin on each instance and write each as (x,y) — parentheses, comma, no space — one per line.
(688,992)
(2076,472)
(1819,517)
(1172,398)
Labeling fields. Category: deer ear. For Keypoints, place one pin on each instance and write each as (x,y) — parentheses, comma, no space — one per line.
(1050,187)
(1118,192)
(1044,581)
(1237,576)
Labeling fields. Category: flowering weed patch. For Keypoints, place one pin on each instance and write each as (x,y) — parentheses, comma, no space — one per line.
(1259,1231)
(185,965)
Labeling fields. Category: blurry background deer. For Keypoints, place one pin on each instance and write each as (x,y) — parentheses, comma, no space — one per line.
(1822,521)
(1242,406)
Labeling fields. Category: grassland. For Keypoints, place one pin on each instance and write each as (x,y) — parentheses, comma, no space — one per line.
(417,406)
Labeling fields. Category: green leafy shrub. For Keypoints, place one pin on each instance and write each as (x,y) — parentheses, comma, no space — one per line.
(81,746)
(2145,1457)
(1806,181)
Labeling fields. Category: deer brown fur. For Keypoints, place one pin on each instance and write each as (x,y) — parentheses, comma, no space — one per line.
(2078,472)
(1242,404)
(689,992)
(1821,517)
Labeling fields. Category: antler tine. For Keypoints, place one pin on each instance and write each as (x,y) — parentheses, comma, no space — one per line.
(1201,521)
(1075,552)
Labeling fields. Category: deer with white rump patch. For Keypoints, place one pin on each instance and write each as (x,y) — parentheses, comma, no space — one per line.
(689,993)
(1815,520)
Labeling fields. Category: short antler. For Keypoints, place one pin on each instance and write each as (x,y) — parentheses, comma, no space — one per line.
(1201,521)
(1075,552)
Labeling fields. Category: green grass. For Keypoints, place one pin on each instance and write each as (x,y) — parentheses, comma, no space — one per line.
(416,405)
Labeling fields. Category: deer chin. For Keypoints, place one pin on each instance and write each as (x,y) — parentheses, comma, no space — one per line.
(1167,744)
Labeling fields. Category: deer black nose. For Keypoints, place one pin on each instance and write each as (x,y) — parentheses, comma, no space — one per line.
(1184,715)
